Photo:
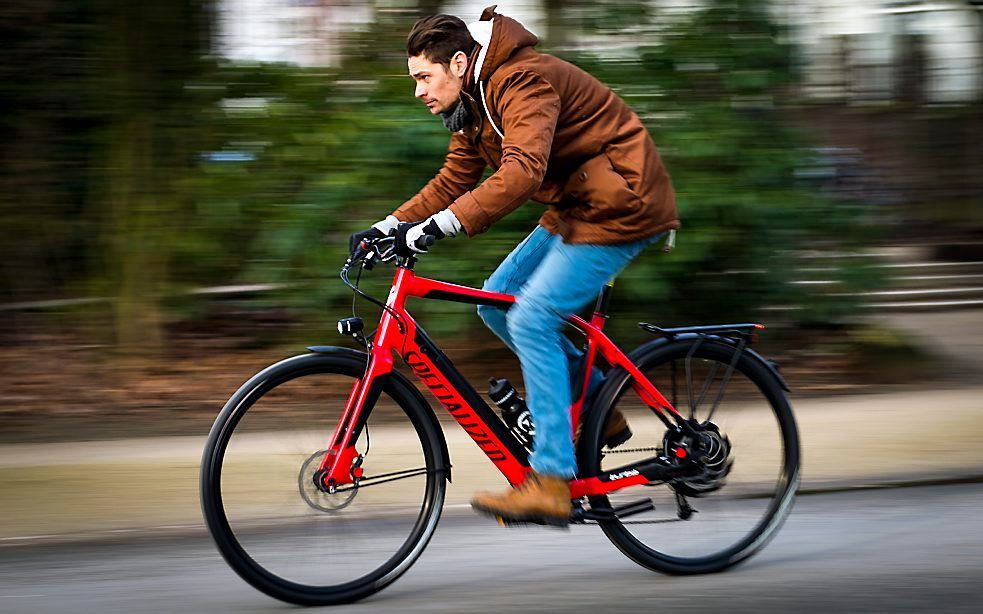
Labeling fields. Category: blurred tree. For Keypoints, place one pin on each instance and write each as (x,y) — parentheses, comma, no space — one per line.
(46,118)
(558,17)
(711,88)
(152,52)
(163,170)
(428,7)
(98,134)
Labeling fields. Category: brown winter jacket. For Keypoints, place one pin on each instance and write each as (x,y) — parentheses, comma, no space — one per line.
(569,142)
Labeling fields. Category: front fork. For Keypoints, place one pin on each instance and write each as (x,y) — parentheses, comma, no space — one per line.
(342,462)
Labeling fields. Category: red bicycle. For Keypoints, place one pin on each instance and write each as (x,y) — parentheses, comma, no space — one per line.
(316,494)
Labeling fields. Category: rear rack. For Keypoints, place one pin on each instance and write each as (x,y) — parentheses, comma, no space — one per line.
(745,330)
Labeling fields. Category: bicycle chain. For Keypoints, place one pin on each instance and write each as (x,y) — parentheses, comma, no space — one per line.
(630,450)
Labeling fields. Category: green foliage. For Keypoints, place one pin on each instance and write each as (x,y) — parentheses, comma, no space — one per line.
(711,91)
(258,173)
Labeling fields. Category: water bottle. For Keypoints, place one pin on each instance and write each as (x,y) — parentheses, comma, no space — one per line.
(514,411)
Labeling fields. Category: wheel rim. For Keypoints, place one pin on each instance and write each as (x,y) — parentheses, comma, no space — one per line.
(360,538)
(736,512)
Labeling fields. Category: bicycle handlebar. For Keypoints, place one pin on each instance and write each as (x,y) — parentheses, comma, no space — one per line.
(424,242)
(383,250)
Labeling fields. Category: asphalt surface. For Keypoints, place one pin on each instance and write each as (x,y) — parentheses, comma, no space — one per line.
(890,550)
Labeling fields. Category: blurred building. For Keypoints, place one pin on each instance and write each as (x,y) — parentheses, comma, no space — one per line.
(308,32)
(301,32)
(854,51)
(878,51)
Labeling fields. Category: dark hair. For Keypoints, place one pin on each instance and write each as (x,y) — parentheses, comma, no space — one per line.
(438,38)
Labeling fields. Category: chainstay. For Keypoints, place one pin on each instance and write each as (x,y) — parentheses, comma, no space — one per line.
(653,521)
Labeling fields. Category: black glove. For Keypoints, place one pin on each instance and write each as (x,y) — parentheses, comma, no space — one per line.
(358,237)
(410,237)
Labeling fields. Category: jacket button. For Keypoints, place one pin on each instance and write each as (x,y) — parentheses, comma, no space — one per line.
(583,175)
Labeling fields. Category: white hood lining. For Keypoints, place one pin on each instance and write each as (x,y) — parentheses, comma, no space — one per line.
(481,32)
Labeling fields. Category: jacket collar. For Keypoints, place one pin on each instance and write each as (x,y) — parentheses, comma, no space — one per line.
(498,37)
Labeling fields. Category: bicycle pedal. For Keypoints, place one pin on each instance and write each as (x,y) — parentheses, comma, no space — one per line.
(523,523)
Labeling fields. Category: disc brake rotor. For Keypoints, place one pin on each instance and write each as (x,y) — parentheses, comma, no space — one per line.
(314,496)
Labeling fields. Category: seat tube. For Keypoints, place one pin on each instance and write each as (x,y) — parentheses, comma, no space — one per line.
(597,320)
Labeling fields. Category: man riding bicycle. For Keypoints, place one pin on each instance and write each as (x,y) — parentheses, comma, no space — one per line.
(555,135)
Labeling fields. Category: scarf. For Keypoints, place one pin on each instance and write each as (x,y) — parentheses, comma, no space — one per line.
(457,118)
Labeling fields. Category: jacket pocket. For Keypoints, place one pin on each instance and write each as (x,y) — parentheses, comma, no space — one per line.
(595,191)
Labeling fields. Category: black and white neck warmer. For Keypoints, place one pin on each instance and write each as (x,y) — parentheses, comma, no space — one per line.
(457,118)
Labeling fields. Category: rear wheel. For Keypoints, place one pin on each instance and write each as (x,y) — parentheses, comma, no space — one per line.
(276,528)
(749,457)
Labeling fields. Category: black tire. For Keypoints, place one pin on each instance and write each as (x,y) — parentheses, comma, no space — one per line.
(251,545)
(750,498)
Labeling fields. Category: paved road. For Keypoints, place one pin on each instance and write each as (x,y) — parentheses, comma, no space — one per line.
(890,550)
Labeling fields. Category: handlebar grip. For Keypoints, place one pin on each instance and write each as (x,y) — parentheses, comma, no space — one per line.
(424,242)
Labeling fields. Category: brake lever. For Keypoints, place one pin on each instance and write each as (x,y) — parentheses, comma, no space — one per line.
(385,248)
(388,254)
(371,252)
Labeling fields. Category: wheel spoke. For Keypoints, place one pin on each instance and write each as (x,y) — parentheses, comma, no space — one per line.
(281,532)
(726,380)
(707,381)
(746,460)
(689,376)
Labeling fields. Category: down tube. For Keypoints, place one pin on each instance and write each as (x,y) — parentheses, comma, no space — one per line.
(478,420)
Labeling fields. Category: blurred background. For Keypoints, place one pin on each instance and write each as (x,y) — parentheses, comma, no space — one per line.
(178,180)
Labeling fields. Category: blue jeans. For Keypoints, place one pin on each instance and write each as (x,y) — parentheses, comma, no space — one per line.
(551,280)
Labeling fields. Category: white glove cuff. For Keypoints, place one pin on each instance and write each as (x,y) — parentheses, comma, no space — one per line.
(447,222)
(387,225)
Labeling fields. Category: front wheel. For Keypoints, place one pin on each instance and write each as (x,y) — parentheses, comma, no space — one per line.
(749,458)
(276,528)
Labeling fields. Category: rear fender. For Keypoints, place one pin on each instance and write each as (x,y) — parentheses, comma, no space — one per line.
(770,365)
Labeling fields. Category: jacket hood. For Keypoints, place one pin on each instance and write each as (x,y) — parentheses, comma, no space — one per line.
(499,37)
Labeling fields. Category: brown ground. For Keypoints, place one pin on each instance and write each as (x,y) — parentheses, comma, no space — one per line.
(58,386)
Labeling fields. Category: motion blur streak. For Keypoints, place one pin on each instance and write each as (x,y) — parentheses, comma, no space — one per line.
(178,180)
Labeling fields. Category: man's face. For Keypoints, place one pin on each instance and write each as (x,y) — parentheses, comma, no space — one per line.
(438,86)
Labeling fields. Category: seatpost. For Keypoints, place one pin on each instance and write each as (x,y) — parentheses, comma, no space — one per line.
(601,306)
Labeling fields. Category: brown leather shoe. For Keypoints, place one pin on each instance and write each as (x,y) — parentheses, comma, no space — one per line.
(616,431)
(540,499)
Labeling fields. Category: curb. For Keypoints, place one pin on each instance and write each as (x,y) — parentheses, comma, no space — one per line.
(168,532)
(975,478)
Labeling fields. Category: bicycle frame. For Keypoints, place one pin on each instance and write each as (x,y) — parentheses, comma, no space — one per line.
(399,333)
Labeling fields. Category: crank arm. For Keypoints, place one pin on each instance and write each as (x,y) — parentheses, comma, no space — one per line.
(616,513)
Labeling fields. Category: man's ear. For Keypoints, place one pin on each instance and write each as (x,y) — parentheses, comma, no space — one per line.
(459,64)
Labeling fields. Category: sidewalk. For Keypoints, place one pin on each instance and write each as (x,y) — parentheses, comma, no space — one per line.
(68,490)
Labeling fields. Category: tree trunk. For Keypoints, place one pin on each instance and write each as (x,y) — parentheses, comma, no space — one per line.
(557,26)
